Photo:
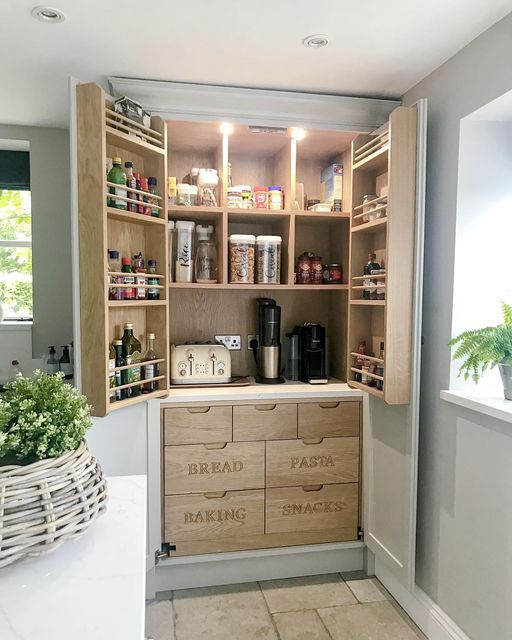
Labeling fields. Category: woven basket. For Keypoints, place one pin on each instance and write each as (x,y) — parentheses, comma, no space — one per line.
(48,502)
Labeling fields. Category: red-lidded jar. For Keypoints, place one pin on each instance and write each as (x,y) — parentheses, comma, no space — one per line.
(317,270)
(260,197)
(304,269)
(333,274)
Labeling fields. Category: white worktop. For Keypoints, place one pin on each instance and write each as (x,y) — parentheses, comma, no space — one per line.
(288,390)
(92,588)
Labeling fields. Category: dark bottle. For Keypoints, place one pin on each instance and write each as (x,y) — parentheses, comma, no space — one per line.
(65,363)
(370,266)
(120,376)
(153,293)
(132,354)
(52,364)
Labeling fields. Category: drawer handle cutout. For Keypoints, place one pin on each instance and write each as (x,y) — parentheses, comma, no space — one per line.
(265,407)
(329,405)
(215,445)
(312,440)
(313,487)
(198,409)
(214,494)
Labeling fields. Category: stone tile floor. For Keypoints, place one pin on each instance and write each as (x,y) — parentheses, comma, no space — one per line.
(328,607)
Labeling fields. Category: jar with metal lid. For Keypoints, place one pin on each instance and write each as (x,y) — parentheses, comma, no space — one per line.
(333,274)
(275,198)
(317,270)
(304,269)
(260,197)
(187,194)
(241,258)
(268,259)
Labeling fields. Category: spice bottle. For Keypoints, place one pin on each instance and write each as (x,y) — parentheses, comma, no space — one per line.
(114,267)
(128,280)
(140,280)
(131,183)
(150,369)
(117,176)
(153,201)
(146,209)
(140,206)
(370,266)
(153,294)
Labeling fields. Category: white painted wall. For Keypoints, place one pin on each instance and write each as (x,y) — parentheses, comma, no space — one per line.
(464,539)
(16,344)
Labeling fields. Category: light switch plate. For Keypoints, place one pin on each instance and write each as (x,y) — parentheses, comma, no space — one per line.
(233,343)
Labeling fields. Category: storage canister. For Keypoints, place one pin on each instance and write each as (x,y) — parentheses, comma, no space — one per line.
(268,259)
(187,194)
(275,198)
(241,258)
(260,197)
(234,197)
(207,181)
(183,272)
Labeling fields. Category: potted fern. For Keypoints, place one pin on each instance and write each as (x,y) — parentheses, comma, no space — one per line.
(52,488)
(485,348)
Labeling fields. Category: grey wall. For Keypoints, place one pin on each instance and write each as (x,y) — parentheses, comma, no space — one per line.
(465,486)
(51,233)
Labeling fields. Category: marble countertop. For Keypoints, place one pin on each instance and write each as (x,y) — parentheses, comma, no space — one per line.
(92,588)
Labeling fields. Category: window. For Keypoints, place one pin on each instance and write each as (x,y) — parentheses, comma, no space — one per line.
(15,236)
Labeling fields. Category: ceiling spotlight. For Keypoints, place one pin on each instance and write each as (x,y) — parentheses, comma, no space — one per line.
(226,128)
(47,14)
(297,133)
(316,41)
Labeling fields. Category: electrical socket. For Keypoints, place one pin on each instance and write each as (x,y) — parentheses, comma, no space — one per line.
(233,343)
(250,337)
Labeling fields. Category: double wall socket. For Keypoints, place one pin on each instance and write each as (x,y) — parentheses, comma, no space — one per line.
(233,343)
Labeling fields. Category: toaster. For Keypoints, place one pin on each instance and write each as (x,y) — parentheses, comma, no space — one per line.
(200,364)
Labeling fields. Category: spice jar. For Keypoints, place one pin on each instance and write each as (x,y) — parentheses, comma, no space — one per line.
(275,198)
(317,270)
(333,274)
(260,197)
(268,259)
(304,269)
(241,259)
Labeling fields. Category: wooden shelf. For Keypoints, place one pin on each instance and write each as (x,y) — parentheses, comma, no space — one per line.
(380,199)
(365,357)
(370,227)
(259,287)
(131,143)
(369,303)
(364,387)
(139,383)
(129,216)
(137,303)
(380,276)
(376,161)
(367,373)
(311,216)
(137,364)
(178,210)
(144,397)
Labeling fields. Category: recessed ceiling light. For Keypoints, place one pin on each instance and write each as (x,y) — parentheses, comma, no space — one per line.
(47,14)
(316,41)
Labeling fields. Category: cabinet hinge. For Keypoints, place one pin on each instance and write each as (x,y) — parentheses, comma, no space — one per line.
(164,552)
(360,533)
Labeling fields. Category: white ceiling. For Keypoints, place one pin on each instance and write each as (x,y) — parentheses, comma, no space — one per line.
(378,48)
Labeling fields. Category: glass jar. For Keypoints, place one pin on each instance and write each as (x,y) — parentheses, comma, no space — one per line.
(187,195)
(333,274)
(241,258)
(260,197)
(317,270)
(246,193)
(275,198)
(268,259)
(304,269)
(234,199)
(206,255)
(207,182)
(366,207)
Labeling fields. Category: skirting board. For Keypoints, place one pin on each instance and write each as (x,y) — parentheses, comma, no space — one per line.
(248,566)
(429,617)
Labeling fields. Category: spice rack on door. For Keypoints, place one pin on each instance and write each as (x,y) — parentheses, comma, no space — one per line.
(384,165)
(104,133)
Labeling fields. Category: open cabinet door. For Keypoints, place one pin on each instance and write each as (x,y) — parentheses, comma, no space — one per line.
(390,441)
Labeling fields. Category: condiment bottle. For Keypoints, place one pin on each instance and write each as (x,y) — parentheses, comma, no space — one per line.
(150,369)
(153,294)
(153,201)
(146,210)
(128,291)
(121,377)
(370,266)
(140,280)
(131,183)
(117,176)
(140,197)
(132,354)
(114,266)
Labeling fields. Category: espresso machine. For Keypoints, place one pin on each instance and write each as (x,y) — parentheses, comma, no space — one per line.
(312,353)
(268,354)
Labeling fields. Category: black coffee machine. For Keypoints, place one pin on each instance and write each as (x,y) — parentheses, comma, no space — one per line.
(268,355)
(312,353)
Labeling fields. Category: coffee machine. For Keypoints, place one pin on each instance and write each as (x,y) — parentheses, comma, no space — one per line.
(268,355)
(312,353)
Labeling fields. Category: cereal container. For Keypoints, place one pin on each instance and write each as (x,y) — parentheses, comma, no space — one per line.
(241,259)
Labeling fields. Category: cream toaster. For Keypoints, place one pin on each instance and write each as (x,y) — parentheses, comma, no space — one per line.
(200,364)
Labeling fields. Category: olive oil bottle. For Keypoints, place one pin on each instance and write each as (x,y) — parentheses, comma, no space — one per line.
(132,354)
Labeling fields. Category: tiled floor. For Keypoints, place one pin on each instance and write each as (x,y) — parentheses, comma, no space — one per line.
(328,607)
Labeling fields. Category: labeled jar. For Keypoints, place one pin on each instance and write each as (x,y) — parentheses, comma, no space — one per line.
(304,269)
(187,194)
(333,274)
(234,199)
(275,198)
(268,259)
(246,193)
(207,182)
(241,258)
(317,270)
(184,263)
(260,197)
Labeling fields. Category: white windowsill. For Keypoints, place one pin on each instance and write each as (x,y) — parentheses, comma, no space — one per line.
(494,406)
(12,325)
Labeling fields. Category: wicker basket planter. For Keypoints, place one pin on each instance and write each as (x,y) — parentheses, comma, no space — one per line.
(48,502)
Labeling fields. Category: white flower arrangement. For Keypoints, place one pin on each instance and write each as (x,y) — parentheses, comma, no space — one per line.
(41,417)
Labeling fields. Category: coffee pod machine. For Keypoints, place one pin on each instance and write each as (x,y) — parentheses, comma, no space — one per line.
(268,354)
(312,353)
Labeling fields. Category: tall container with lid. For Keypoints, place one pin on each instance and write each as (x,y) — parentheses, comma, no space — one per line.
(268,259)
(206,255)
(241,258)
(184,258)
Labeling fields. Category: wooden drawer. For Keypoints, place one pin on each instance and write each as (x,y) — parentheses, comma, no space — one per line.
(196,468)
(264,422)
(329,419)
(313,508)
(298,462)
(211,516)
(198,425)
